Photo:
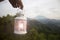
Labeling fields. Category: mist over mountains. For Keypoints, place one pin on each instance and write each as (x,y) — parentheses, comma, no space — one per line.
(45,20)
(44,24)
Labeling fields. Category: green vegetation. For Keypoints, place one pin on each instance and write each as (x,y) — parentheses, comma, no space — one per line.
(34,33)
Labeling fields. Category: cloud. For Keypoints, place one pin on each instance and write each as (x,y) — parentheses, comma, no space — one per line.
(32,8)
(47,8)
(6,8)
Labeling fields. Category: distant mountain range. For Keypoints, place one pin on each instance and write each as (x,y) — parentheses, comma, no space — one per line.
(45,20)
(43,24)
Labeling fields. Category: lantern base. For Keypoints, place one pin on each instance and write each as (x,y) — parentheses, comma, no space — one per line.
(21,32)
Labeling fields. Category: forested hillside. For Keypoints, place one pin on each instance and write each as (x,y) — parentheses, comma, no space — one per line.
(35,30)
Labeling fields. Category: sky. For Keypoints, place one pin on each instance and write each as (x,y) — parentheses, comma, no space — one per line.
(33,8)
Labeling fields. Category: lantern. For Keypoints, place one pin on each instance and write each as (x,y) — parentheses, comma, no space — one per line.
(20,26)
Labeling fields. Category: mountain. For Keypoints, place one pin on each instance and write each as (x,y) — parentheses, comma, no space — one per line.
(41,27)
(45,20)
(42,19)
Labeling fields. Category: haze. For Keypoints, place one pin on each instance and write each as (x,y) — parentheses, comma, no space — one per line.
(33,8)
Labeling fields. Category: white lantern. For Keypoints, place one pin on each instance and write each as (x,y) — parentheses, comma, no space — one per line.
(20,26)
